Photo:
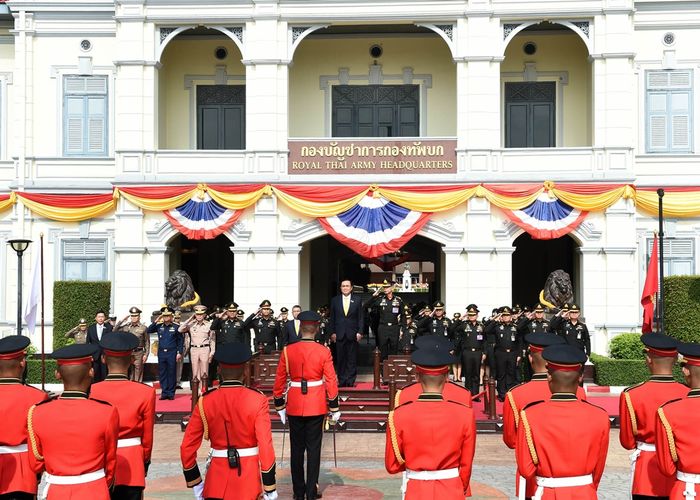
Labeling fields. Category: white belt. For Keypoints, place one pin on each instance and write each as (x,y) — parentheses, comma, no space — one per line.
(309,383)
(242,452)
(432,475)
(640,447)
(126,443)
(560,482)
(8,450)
(690,481)
(80,479)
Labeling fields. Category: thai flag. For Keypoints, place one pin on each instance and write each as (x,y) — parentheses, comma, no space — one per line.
(202,218)
(375,226)
(547,218)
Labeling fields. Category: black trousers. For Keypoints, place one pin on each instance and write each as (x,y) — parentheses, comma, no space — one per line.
(346,359)
(305,434)
(491,358)
(505,371)
(388,340)
(471,368)
(17,495)
(647,497)
(126,493)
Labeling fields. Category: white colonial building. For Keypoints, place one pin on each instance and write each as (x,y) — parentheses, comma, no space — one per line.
(97,95)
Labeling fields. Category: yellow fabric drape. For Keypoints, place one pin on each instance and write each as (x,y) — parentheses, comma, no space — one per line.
(4,205)
(316,209)
(238,201)
(676,203)
(158,205)
(428,202)
(507,202)
(594,202)
(69,214)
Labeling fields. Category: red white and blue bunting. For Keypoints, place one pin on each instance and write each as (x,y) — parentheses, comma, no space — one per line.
(202,218)
(375,226)
(547,218)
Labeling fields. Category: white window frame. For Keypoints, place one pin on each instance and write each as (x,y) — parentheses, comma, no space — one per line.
(668,90)
(85,258)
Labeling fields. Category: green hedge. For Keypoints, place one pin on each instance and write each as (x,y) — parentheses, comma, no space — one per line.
(610,371)
(682,303)
(73,300)
(627,346)
(34,371)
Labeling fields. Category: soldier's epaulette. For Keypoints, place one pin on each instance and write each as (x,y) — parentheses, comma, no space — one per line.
(209,391)
(45,401)
(100,401)
(516,386)
(255,390)
(403,404)
(532,404)
(594,406)
(36,388)
(409,385)
(627,389)
(671,401)
(457,403)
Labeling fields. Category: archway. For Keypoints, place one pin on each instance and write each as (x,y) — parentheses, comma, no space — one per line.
(325,262)
(210,265)
(533,260)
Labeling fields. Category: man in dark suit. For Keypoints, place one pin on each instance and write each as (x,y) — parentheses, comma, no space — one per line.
(94,336)
(291,327)
(345,326)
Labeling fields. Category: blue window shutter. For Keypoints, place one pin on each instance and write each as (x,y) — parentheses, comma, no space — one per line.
(669,119)
(85,116)
(74,124)
(96,130)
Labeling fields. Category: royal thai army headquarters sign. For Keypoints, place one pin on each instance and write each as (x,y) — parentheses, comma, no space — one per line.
(338,156)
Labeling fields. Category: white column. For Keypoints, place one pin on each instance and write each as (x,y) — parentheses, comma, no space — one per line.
(614,81)
(456,279)
(478,91)
(135,89)
(265,273)
(267,76)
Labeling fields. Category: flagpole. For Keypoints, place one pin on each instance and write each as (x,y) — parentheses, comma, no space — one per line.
(660,307)
(43,350)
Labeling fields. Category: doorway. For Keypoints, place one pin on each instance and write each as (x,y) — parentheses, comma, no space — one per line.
(210,265)
(533,260)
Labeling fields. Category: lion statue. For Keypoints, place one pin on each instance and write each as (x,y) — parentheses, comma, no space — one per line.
(179,291)
(557,289)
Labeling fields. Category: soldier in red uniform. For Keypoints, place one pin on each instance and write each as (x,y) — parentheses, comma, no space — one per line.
(677,424)
(563,441)
(433,472)
(638,408)
(537,389)
(236,420)
(74,438)
(451,391)
(313,392)
(17,480)
(137,406)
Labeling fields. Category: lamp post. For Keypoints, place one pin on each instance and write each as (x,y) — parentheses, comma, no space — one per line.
(19,246)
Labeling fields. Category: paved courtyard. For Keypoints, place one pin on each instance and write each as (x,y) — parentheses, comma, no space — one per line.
(360,474)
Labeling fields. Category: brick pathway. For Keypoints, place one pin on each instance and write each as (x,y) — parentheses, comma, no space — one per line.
(360,474)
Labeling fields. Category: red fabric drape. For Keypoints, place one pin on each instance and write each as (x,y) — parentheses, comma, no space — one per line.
(589,189)
(67,200)
(321,194)
(515,190)
(156,192)
(235,188)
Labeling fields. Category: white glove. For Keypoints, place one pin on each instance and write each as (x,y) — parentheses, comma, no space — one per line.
(270,495)
(283,416)
(335,416)
(198,491)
